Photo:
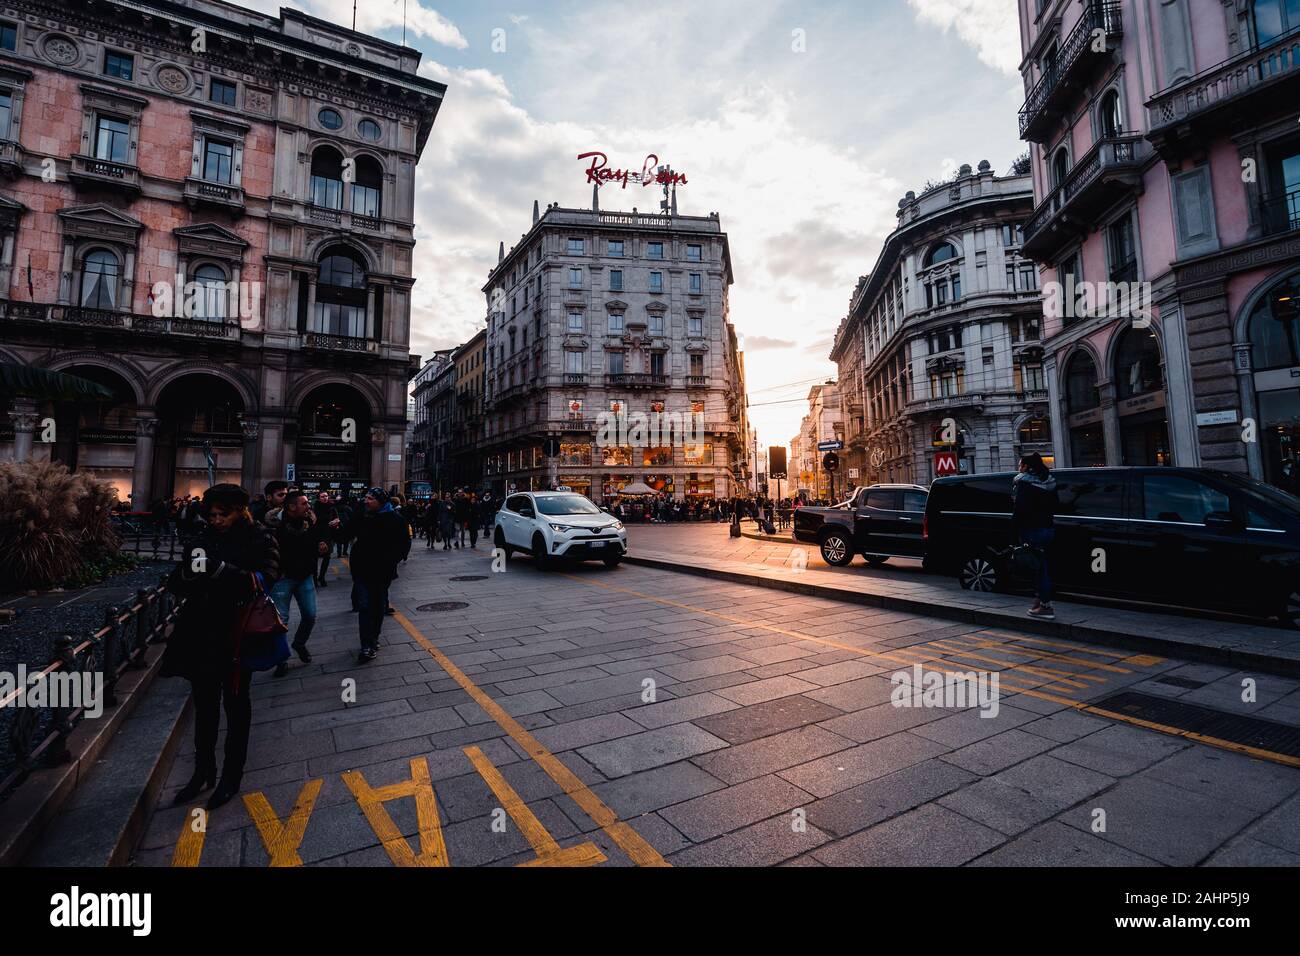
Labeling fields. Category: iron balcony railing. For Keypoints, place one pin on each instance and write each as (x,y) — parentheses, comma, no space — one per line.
(1227,81)
(114,319)
(1125,152)
(1078,48)
(1280,213)
(636,380)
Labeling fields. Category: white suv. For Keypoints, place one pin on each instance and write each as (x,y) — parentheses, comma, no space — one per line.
(558,524)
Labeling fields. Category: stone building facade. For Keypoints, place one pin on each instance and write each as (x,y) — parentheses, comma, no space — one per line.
(594,311)
(258,169)
(947,325)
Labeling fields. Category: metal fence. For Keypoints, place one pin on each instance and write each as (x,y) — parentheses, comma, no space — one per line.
(37,736)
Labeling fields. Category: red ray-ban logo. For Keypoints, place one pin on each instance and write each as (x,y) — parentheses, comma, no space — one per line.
(651,173)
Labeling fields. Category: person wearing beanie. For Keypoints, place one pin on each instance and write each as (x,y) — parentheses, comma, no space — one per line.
(380,541)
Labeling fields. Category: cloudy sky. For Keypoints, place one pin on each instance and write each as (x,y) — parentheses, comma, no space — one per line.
(802,122)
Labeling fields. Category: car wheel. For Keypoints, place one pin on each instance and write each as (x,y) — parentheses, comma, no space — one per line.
(1289,616)
(978,573)
(876,560)
(612,562)
(499,540)
(836,550)
(541,557)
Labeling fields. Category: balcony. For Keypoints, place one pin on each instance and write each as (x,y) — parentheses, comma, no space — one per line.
(126,321)
(11,159)
(575,378)
(636,380)
(337,343)
(1280,214)
(1112,168)
(1074,64)
(201,192)
(697,381)
(88,172)
(1226,95)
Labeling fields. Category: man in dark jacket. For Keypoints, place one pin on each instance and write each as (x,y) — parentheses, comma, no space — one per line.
(325,512)
(302,539)
(1034,503)
(381,543)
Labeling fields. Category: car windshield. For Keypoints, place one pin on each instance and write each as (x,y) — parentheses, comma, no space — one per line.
(1274,494)
(566,505)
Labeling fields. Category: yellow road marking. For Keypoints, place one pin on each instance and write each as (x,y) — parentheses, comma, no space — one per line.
(1033,652)
(1138,660)
(283,839)
(628,840)
(549,853)
(189,848)
(433,851)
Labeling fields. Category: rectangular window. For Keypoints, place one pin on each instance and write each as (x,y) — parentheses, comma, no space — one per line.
(575,278)
(573,364)
(219,91)
(616,323)
(575,321)
(657,366)
(218,161)
(699,454)
(656,282)
(697,283)
(655,250)
(929,296)
(6,114)
(577,247)
(697,366)
(657,323)
(956,288)
(365,201)
(941,293)
(615,363)
(8,36)
(1123,250)
(111,138)
(615,280)
(695,325)
(616,248)
(693,253)
(1028,277)
(120,65)
(327,192)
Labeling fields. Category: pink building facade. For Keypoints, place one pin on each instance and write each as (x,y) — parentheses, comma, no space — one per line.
(1166,152)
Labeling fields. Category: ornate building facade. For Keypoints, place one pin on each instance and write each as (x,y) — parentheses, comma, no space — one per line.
(940,351)
(606,312)
(209,211)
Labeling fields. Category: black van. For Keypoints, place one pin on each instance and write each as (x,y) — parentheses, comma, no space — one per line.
(1181,536)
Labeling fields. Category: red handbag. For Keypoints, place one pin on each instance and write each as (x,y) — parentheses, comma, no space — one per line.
(261,641)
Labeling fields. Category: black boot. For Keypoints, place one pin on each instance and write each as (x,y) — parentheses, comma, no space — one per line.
(203,778)
(304,655)
(224,793)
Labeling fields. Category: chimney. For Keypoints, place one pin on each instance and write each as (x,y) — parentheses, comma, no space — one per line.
(501,253)
(595,198)
(535,213)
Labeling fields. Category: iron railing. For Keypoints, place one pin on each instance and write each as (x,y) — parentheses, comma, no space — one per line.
(1122,152)
(37,736)
(1279,214)
(1080,44)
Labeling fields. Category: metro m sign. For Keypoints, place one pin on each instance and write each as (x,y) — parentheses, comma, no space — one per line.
(945,463)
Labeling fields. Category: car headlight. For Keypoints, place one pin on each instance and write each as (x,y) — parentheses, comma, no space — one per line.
(617,526)
(560,528)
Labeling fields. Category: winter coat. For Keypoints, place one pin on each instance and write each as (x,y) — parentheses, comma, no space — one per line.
(202,646)
(380,541)
(1034,501)
(298,543)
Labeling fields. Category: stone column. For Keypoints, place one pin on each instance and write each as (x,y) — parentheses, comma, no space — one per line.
(24,417)
(248,464)
(146,428)
(1110,424)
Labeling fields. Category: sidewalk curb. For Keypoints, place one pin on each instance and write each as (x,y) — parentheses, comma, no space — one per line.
(1083,633)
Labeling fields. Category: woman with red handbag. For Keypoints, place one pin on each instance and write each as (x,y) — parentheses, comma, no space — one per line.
(223,577)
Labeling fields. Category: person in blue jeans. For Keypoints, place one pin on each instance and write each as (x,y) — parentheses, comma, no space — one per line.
(1034,503)
(302,539)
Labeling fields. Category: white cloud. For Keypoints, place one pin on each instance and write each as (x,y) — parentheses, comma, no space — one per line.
(376,15)
(991,27)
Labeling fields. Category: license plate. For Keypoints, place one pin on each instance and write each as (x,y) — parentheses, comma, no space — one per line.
(598,544)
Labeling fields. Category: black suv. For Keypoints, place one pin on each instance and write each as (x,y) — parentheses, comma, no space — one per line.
(1179,536)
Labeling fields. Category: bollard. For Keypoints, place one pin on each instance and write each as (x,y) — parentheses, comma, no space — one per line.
(112,651)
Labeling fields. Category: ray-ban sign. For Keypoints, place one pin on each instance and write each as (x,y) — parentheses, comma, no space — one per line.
(651,173)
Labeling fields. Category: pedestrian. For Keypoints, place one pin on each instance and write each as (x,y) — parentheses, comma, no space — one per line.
(343,511)
(1034,503)
(382,542)
(446,520)
(324,512)
(273,498)
(301,539)
(471,511)
(463,516)
(429,521)
(220,573)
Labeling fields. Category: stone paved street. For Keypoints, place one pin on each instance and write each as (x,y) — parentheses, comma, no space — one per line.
(640,716)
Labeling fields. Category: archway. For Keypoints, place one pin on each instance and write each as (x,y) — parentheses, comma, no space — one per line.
(198,415)
(97,437)
(1140,398)
(1083,410)
(333,450)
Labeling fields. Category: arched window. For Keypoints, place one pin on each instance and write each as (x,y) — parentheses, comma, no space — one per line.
(340,295)
(1060,167)
(99,277)
(1035,431)
(1081,392)
(367,187)
(1112,121)
(1274,327)
(327,178)
(209,298)
(1137,364)
(940,253)
(1273,18)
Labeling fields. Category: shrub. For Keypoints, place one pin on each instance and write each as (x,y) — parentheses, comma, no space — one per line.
(51,523)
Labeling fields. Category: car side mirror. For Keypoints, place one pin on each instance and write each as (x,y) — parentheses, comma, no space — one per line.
(528,512)
(1220,520)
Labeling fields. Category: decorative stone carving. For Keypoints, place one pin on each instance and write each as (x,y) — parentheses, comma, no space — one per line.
(146,427)
(58,48)
(377,434)
(353,49)
(257,101)
(172,79)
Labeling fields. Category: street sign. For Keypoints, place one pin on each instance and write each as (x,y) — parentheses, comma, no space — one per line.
(835,445)
(853,473)
(945,463)
(831,461)
(551,448)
